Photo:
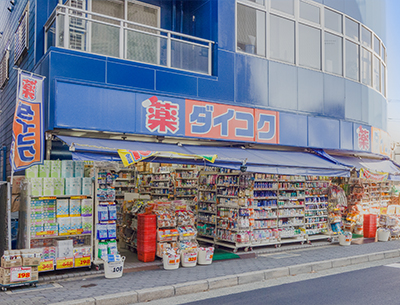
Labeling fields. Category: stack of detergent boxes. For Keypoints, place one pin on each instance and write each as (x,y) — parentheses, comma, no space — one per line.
(56,177)
(74,216)
(43,218)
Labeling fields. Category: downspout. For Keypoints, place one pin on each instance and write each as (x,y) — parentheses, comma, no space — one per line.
(4,163)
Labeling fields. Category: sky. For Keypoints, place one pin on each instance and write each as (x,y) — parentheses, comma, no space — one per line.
(393,48)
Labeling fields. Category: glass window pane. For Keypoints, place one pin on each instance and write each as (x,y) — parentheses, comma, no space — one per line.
(377,46)
(352,61)
(286,6)
(262,2)
(366,37)
(366,72)
(309,46)
(383,53)
(250,30)
(352,29)
(282,39)
(333,54)
(333,21)
(383,80)
(309,12)
(377,77)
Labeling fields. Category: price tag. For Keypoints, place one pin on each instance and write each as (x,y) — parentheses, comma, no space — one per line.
(64,263)
(78,197)
(73,232)
(190,257)
(46,265)
(82,261)
(19,274)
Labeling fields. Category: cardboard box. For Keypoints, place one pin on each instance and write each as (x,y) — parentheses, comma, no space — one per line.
(15,202)
(11,258)
(31,257)
(17,183)
(34,275)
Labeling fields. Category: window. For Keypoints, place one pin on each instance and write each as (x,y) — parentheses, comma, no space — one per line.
(333,54)
(257,1)
(366,58)
(21,38)
(352,29)
(377,46)
(333,21)
(383,79)
(309,47)
(377,77)
(285,6)
(250,30)
(352,61)
(4,69)
(282,39)
(309,12)
(383,53)
(366,37)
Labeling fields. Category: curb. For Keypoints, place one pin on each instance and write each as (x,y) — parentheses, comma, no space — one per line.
(150,294)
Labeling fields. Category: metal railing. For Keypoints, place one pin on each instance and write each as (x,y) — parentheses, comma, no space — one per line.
(85,31)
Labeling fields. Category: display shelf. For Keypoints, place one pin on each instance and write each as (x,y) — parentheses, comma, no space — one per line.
(61,197)
(205,211)
(264,198)
(266,217)
(265,228)
(205,238)
(263,208)
(205,201)
(314,223)
(206,222)
(290,216)
(291,206)
(226,196)
(185,187)
(60,236)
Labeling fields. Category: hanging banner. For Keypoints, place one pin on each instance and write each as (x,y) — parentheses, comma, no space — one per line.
(366,174)
(130,157)
(27,147)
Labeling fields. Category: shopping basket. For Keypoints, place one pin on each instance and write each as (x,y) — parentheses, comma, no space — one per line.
(114,270)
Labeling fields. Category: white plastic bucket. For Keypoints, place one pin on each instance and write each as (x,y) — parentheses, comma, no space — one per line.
(189,258)
(205,256)
(383,235)
(171,262)
(114,269)
(344,241)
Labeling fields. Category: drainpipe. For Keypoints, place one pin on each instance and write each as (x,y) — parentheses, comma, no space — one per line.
(4,163)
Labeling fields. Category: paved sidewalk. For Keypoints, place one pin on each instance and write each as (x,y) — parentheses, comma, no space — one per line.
(147,285)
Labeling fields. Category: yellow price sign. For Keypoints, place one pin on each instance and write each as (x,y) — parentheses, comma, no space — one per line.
(64,263)
(78,197)
(46,265)
(82,261)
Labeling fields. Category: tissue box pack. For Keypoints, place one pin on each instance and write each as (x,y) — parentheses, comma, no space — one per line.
(58,186)
(48,187)
(64,225)
(82,251)
(44,169)
(86,186)
(67,168)
(36,186)
(73,186)
(87,225)
(74,207)
(79,169)
(76,223)
(65,248)
(55,169)
(32,172)
(62,208)
(86,207)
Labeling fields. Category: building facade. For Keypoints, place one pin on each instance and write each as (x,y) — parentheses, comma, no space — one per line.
(287,73)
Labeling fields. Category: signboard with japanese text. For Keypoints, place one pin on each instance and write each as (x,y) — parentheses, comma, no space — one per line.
(27,147)
(380,142)
(160,115)
(362,138)
(19,274)
(220,121)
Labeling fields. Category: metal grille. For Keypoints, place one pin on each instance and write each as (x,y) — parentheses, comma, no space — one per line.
(21,38)
(4,69)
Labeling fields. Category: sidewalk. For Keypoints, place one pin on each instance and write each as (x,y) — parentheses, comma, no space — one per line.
(148,285)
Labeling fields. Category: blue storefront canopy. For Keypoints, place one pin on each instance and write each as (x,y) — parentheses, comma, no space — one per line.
(256,160)
(372,163)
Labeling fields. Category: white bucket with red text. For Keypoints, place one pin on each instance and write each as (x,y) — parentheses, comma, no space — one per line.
(205,255)
(171,262)
(189,258)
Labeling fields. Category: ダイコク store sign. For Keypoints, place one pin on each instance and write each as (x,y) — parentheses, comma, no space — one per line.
(169,116)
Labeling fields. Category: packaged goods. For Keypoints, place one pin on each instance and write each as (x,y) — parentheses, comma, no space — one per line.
(112,247)
(74,207)
(67,168)
(48,187)
(102,212)
(44,169)
(79,169)
(86,207)
(64,225)
(82,251)
(62,208)
(112,230)
(73,186)
(11,258)
(32,172)
(76,223)
(102,250)
(31,257)
(36,186)
(87,224)
(86,186)
(64,248)
(112,212)
(55,169)
(102,231)
(59,187)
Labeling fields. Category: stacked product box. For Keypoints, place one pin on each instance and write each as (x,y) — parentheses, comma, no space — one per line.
(19,266)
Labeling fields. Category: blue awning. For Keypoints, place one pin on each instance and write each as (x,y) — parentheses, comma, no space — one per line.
(372,163)
(256,160)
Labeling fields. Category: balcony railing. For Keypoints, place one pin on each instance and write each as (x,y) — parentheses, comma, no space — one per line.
(77,29)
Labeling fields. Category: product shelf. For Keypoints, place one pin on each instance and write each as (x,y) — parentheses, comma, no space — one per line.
(290,216)
(205,211)
(291,206)
(60,236)
(263,198)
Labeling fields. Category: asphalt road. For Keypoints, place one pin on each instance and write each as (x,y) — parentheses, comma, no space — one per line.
(375,285)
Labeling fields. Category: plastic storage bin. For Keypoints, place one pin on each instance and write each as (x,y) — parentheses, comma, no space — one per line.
(114,269)
(146,257)
(383,235)
(205,256)
(189,258)
(171,262)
